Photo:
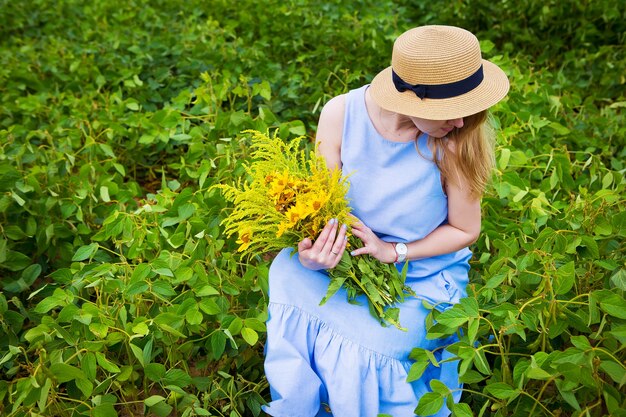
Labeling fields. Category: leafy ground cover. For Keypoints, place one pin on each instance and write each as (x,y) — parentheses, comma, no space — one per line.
(120,294)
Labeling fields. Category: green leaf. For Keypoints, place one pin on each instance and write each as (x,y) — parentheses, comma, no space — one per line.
(480,361)
(559,128)
(88,365)
(255,324)
(335,283)
(104,410)
(137,352)
(619,279)
(416,371)
(537,373)
(177,240)
(619,223)
(602,227)
(177,377)
(453,317)
(429,404)
(615,370)
(19,200)
(472,329)
(235,326)
(49,303)
(141,329)
(172,330)
(505,156)
(27,278)
(249,335)
(104,194)
(471,377)
(99,330)
(565,278)
(155,371)
(206,291)
(106,364)
(501,391)
(185,211)
(140,273)
(85,252)
(153,399)
(439,387)
(209,306)
(613,304)
(194,317)
(64,372)
(43,395)
(30,274)
(470,306)
(85,386)
(461,410)
(591,245)
(161,409)
(612,404)
(15,261)
(567,394)
(218,344)
(147,352)
(581,342)
(146,139)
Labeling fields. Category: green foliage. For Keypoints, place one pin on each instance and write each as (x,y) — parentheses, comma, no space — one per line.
(120,293)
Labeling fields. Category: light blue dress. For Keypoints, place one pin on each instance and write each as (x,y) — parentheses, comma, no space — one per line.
(337,357)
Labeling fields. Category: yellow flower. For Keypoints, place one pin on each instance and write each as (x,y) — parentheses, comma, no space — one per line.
(298,212)
(279,182)
(317,201)
(245,239)
(285,200)
(282,228)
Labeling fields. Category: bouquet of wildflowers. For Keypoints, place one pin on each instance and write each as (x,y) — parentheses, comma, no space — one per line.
(290,195)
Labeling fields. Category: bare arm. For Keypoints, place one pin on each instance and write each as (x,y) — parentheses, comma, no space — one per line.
(330,131)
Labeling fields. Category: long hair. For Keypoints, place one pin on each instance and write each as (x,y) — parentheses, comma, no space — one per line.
(467,155)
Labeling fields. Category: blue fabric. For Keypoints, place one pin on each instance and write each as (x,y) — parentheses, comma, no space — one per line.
(337,357)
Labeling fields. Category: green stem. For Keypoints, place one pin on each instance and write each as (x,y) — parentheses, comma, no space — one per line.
(537,402)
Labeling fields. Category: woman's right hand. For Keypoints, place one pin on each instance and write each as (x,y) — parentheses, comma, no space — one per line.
(327,250)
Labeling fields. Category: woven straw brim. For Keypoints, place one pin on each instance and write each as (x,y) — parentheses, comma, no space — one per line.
(491,90)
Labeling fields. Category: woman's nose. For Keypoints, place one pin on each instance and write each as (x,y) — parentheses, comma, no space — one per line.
(458,123)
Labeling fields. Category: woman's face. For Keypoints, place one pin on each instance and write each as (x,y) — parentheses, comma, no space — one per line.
(437,128)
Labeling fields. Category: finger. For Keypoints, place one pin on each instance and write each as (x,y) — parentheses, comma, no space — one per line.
(340,242)
(305,244)
(337,254)
(358,225)
(332,238)
(361,234)
(360,251)
(325,240)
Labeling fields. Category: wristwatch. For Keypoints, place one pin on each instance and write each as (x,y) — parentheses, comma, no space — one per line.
(401,251)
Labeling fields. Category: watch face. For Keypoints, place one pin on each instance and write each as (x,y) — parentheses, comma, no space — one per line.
(401,248)
(401,251)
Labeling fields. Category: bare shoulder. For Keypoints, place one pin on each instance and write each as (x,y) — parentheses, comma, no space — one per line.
(330,130)
(333,112)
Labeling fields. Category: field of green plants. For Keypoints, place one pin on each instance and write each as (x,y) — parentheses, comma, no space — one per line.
(120,295)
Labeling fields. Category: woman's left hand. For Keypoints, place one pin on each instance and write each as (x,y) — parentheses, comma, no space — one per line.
(372,245)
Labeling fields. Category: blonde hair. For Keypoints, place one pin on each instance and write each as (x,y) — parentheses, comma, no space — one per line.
(467,155)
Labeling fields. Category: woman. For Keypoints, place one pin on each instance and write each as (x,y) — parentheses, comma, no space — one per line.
(415,146)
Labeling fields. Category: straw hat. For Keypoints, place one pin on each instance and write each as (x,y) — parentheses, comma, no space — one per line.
(437,73)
